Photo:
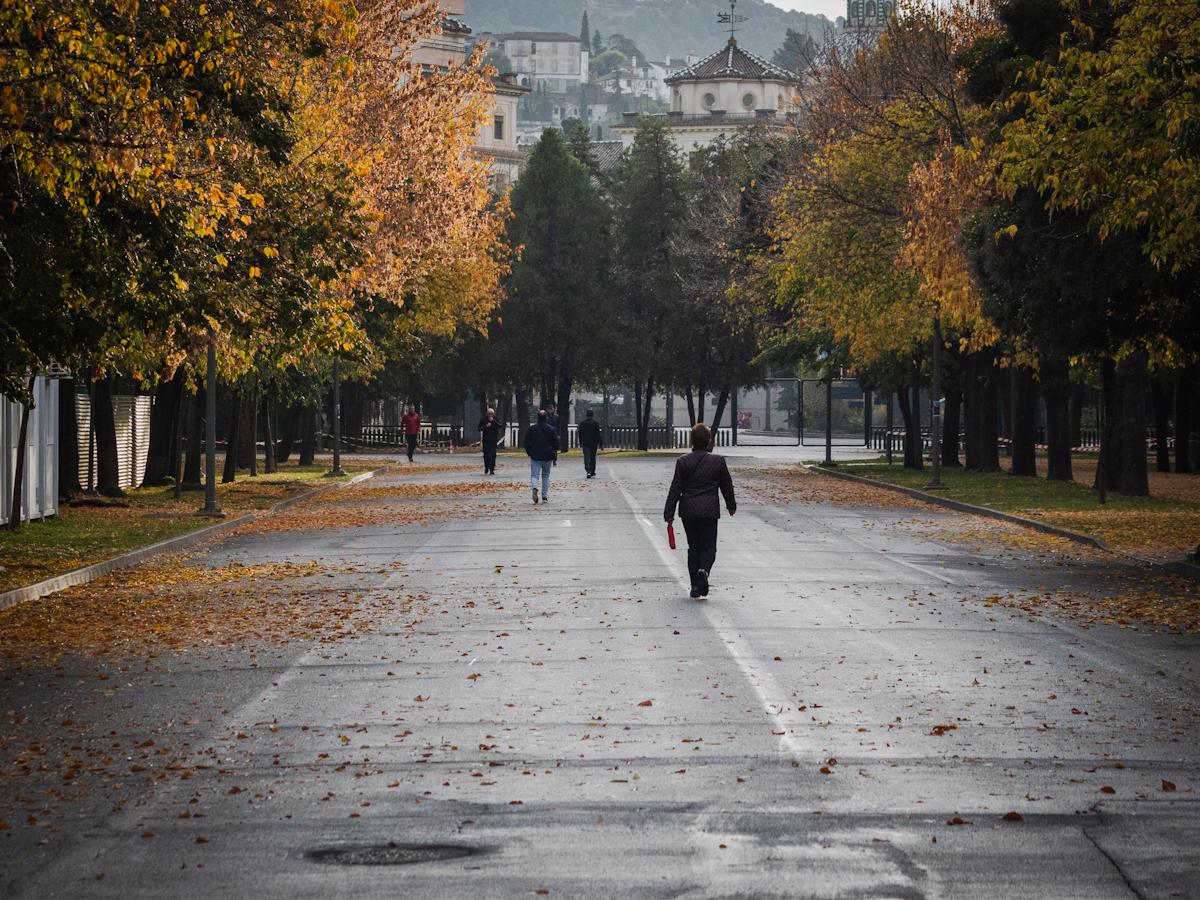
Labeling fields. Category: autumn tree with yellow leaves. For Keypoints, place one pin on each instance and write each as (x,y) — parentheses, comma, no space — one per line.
(280,178)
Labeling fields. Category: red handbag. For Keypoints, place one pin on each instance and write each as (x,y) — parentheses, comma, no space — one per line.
(671,534)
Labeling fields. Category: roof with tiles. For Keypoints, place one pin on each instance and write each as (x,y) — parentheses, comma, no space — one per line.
(732,62)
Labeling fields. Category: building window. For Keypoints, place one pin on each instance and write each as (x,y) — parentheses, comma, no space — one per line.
(748,101)
(498,128)
(533,47)
(710,100)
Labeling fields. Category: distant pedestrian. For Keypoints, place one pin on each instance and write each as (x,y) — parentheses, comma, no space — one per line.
(489,438)
(541,445)
(553,421)
(590,441)
(698,477)
(412,430)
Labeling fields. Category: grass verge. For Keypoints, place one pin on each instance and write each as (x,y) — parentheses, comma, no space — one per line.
(1160,527)
(82,535)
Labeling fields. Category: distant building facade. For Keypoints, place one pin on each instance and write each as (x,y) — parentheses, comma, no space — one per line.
(551,60)
(868,15)
(722,92)
(497,138)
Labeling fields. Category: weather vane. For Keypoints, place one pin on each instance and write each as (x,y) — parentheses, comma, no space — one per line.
(731,18)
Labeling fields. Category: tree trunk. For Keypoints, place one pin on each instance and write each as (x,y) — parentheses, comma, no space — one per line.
(522,415)
(287,433)
(195,439)
(722,400)
(181,408)
(1162,423)
(917,451)
(18,485)
(164,414)
(1056,388)
(564,412)
(270,465)
(971,412)
(233,439)
(68,442)
(308,434)
(644,423)
(1131,373)
(1109,468)
(691,405)
(250,444)
(354,402)
(904,400)
(1024,412)
(637,410)
(108,472)
(951,413)
(1079,396)
(989,414)
(1184,409)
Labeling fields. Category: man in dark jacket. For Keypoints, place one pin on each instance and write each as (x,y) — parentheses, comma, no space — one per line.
(541,445)
(590,441)
(698,477)
(489,438)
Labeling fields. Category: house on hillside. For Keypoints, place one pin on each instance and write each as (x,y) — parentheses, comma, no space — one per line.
(552,60)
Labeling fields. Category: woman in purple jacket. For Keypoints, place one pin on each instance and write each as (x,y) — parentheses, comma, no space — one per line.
(698,477)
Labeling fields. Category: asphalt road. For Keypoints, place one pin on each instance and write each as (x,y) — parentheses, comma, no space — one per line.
(552,715)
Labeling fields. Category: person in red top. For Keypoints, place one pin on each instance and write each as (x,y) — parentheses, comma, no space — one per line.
(412,430)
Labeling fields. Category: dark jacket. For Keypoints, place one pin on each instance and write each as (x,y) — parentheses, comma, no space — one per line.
(589,434)
(698,477)
(541,442)
(489,431)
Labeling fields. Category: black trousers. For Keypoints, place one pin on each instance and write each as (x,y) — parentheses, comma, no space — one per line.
(702,544)
(489,458)
(412,445)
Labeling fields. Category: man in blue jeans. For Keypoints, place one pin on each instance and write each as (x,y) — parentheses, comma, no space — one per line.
(541,446)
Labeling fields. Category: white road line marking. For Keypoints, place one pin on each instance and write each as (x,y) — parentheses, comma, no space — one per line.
(771,695)
(566,523)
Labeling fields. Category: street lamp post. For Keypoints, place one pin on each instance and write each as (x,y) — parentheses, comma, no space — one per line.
(210,433)
(829,418)
(337,471)
(935,420)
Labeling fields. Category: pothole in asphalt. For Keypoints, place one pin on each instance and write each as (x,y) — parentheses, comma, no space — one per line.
(390,854)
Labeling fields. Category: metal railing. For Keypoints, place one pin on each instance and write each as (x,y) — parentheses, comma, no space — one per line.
(616,437)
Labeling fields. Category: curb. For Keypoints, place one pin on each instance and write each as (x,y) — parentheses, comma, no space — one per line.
(1178,567)
(136,557)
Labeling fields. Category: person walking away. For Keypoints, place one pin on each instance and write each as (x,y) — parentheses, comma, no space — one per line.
(590,441)
(541,445)
(698,477)
(553,421)
(412,430)
(489,437)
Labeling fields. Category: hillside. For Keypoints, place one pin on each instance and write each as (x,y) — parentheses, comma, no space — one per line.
(659,27)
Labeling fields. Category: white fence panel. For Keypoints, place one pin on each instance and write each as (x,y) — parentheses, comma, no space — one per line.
(39,490)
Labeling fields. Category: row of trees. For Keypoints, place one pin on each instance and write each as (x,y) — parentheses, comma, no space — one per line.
(278,180)
(1006,191)
(623,276)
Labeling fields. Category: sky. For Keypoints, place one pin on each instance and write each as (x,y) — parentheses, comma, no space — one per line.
(829,8)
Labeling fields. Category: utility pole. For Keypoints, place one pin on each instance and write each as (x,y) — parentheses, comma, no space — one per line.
(210,434)
(337,471)
(829,416)
(935,421)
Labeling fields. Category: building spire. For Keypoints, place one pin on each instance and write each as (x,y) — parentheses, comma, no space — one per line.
(732,19)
